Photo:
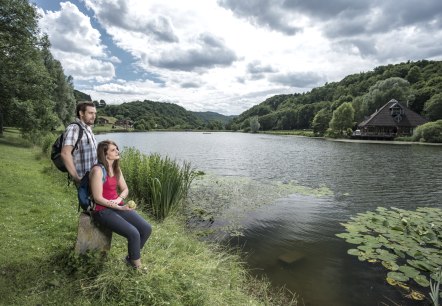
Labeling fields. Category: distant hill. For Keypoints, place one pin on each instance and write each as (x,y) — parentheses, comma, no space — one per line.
(212,116)
(81,96)
(296,111)
(151,115)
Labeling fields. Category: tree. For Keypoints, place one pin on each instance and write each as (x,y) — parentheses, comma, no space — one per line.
(414,75)
(342,118)
(102,103)
(321,121)
(433,107)
(254,124)
(385,90)
(28,73)
(429,132)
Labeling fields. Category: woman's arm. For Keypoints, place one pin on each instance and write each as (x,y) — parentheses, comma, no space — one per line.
(122,186)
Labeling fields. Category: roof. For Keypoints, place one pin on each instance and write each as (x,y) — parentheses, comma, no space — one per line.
(384,117)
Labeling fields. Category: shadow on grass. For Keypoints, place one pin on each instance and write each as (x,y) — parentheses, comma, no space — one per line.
(14,142)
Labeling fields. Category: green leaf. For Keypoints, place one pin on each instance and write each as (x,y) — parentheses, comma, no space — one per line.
(421,280)
(398,276)
(390,265)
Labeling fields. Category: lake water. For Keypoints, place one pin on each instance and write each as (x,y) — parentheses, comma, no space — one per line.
(361,177)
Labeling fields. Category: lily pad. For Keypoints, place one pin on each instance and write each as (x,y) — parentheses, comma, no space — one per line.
(399,276)
(390,265)
(421,280)
(354,252)
(409,271)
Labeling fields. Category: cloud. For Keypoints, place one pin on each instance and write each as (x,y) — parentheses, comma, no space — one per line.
(226,55)
(71,31)
(127,16)
(209,52)
(297,79)
(267,13)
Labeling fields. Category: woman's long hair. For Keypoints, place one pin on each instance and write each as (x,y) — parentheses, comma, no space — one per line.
(102,148)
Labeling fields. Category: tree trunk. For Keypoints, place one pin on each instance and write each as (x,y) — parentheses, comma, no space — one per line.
(90,237)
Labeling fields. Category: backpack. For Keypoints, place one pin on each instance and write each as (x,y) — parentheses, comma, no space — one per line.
(85,200)
(58,145)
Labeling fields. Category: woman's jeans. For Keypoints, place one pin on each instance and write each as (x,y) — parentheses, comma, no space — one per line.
(128,224)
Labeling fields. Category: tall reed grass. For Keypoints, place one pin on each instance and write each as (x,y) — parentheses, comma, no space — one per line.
(160,184)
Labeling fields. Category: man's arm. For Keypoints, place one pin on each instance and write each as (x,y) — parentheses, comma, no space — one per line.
(66,156)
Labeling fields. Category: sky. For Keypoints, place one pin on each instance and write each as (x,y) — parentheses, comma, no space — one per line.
(226,56)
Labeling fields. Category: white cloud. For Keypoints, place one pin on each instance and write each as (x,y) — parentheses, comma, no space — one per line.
(225,55)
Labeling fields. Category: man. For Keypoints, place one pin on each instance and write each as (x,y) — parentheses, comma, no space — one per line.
(84,156)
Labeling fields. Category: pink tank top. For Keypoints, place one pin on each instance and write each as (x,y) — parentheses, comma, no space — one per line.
(109,191)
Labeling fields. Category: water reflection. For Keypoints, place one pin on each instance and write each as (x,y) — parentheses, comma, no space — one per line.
(361,176)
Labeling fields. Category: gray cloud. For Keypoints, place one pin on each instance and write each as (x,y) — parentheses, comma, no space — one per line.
(258,67)
(297,79)
(340,18)
(116,13)
(210,52)
(190,85)
(267,13)
(258,71)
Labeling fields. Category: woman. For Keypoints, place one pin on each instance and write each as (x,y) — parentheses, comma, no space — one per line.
(110,210)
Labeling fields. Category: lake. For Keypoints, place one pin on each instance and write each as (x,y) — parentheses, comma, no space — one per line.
(262,170)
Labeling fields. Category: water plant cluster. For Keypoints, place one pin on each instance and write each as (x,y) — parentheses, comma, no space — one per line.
(160,184)
(408,244)
(226,201)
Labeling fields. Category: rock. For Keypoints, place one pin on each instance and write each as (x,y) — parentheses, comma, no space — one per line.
(291,257)
(90,237)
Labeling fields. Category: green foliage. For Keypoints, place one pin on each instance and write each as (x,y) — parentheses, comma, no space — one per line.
(254,124)
(385,90)
(160,183)
(156,115)
(433,107)
(321,122)
(429,132)
(35,94)
(407,243)
(342,119)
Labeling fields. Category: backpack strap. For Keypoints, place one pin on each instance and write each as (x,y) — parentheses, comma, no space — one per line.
(80,135)
(103,179)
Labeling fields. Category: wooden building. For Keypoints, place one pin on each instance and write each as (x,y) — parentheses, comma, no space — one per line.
(391,120)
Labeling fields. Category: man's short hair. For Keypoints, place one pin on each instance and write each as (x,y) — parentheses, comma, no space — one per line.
(82,105)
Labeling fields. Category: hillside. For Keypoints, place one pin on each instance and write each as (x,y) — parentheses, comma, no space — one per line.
(212,116)
(421,83)
(154,115)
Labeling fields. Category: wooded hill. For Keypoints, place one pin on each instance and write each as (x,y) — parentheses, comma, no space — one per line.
(148,115)
(416,84)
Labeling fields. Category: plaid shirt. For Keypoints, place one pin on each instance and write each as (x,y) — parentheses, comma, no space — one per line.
(85,156)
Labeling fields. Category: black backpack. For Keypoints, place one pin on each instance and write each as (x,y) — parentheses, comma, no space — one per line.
(58,144)
(85,200)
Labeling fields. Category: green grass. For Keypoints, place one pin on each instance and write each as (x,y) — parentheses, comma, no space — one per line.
(38,231)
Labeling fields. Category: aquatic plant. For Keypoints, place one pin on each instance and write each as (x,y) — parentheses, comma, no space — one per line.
(406,243)
(159,183)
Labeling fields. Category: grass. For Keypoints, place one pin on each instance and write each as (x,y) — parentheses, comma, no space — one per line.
(161,184)
(38,231)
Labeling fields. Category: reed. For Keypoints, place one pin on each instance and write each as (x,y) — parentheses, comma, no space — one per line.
(159,184)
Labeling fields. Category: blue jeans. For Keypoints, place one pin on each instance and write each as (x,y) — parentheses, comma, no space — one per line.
(128,224)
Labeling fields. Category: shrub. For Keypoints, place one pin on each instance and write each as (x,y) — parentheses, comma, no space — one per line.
(429,132)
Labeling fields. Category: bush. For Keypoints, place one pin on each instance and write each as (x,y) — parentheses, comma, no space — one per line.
(429,132)
(160,184)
